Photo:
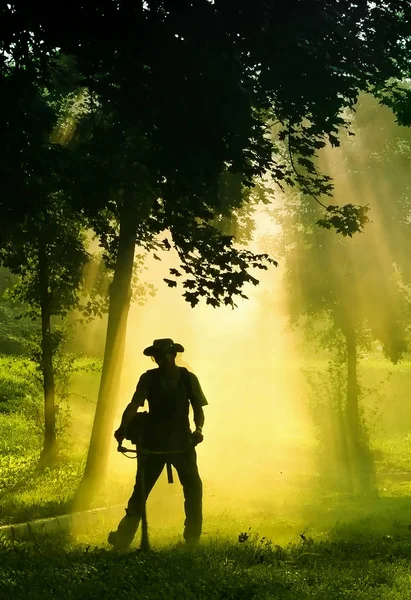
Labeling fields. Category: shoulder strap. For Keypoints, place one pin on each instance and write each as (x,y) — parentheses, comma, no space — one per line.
(151,378)
(185,374)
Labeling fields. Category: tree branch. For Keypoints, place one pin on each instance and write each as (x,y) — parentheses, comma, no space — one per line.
(304,186)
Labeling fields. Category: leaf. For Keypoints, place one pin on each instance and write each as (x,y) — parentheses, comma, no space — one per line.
(189,283)
(170,282)
(191,298)
(230,302)
(334,141)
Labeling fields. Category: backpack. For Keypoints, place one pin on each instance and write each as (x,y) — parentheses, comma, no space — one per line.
(134,432)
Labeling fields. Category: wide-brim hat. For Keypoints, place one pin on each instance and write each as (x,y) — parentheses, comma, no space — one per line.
(163,346)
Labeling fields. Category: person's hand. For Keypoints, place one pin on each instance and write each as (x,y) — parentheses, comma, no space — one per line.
(119,435)
(197,437)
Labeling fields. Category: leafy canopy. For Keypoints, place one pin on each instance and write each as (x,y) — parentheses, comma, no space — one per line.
(181,94)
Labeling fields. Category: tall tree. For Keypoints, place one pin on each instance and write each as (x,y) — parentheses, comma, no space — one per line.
(41,236)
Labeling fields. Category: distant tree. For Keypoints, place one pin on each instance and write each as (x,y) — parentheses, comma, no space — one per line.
(41,236)
(346,292)
(48,255)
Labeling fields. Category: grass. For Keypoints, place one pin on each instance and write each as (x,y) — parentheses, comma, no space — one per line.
(366,568)
(31,494)
(394,453)
(25,492)
(20,386)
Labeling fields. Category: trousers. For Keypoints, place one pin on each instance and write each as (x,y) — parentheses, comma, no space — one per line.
(148,471)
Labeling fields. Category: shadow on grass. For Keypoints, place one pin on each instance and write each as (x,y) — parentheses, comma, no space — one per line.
(15,512)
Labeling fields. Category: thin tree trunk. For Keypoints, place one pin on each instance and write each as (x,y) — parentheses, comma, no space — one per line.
(352,412)
(49,445)
(353,418)
(120,295)
(345,466)
(362,466)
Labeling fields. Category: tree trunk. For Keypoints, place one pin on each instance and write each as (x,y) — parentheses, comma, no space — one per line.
(49,445)
(344,470)
(362,467)
(353,417)
(120,295)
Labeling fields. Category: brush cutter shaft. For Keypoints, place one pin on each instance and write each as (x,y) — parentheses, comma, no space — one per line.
(123,449)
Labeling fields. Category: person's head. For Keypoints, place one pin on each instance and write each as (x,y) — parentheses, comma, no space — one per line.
(163,351)
(164,358)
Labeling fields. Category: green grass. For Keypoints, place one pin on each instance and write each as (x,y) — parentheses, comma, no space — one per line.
(20,386)
(28,493)
(367,568)
(394,453)
(25,491)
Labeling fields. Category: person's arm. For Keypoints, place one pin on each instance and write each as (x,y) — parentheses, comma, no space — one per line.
(137,400)
(199,418)
(198,401)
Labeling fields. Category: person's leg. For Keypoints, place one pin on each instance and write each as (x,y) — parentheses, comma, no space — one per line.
(151,466)
(186,467)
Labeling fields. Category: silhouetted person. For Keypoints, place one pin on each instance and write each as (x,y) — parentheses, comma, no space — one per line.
(169,390)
